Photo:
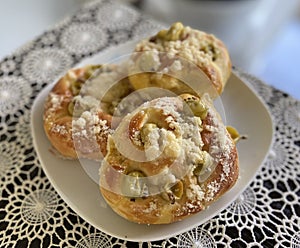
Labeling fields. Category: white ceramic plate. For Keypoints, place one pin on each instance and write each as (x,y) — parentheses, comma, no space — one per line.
(244,110)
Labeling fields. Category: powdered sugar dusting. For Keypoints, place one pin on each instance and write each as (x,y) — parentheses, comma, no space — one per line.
(212,189)
(220,149)
(90,123)
(152,207)
(60,129)
(194,192)
(55,100)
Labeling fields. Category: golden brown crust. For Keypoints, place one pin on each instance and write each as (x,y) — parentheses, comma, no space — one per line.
(190,193)
(57,119)
(180,43)
(82,134)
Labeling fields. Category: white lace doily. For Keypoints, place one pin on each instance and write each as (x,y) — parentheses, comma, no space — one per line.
(32,214)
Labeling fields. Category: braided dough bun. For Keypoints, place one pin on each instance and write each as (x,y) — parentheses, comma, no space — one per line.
(165,52)
(167,160)
(77,114)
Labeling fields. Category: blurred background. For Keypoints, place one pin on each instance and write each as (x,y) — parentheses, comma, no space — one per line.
(263,36)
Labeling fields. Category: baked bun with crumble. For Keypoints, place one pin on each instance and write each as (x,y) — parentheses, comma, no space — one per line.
(79,108)
(172,52)
(168,160)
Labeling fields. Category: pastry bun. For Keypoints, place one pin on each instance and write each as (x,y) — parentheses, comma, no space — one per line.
(164,53)
(77,115)
(168,160)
